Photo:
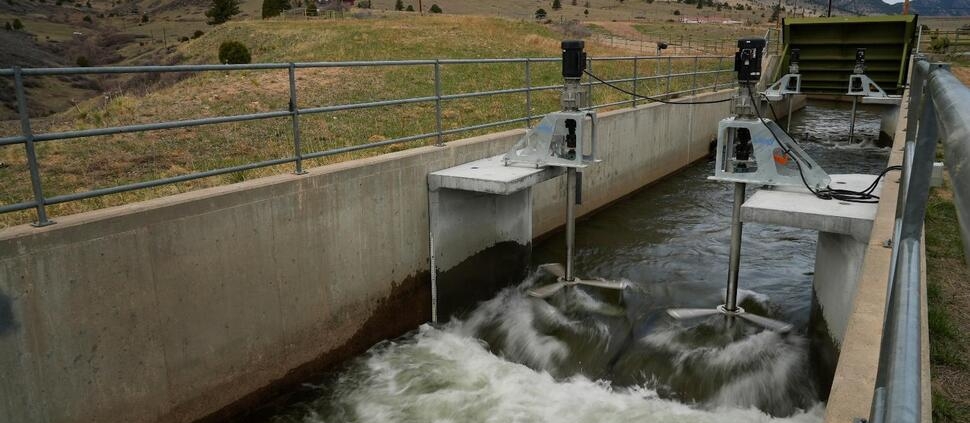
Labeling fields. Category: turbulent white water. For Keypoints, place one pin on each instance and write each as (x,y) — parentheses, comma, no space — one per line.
(518,359)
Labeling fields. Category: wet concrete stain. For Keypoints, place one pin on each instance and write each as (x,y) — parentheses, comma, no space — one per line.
(824,353)
(8,323)
(480,277)
(406,307)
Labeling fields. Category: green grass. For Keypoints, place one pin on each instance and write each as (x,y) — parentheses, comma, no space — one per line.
(947,278)
(99,162)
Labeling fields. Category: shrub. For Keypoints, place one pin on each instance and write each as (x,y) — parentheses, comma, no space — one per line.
(939,44)
(17,25)
(6,25)
(556,5)
(409,9)
(233,53)
(540,14)
(82,61)
(363,4)
(677,12)
(86,19)
(197,34)
(586,12)
(184,39)
(144,18)
(435,9)
(221,11)
(399,5)
(311,8)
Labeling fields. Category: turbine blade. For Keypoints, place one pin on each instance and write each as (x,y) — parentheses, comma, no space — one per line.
(546,291)
(770,324)
(602,283)
(691,313)
(554,269)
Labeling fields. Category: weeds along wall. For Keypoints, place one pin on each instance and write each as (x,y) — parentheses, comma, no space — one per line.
(204,303)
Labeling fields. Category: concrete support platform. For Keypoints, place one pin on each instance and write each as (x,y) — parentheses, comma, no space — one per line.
(798,208)
(492,176)
(481,230)
(843,233)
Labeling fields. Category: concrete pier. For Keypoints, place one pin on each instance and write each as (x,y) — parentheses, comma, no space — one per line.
(843,232)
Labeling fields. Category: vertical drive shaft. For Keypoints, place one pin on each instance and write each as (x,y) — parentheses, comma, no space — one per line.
(735,258)
(570,220)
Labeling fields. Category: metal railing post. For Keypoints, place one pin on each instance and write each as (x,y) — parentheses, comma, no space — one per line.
(693,79)
(528,93)
(720,62)
(635,81)
(35,181)
(437,102)
(670,71)
(295,112)
(589,88)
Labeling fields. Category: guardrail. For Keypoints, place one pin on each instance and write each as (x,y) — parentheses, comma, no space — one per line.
(939,109)
(29,138)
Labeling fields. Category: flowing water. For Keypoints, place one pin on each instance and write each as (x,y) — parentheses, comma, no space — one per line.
(590,355)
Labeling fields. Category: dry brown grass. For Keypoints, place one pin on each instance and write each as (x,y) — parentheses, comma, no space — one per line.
(85,164)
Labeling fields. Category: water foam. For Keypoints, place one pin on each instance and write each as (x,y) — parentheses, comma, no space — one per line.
(509,360)
(442,375)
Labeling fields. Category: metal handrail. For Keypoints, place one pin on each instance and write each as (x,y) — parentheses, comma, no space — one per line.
(939,109)
(29,138)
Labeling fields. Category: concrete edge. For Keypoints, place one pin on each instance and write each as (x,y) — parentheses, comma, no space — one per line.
(855,374)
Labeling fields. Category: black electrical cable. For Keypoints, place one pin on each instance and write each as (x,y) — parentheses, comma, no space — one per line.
(653,98)
(864,196)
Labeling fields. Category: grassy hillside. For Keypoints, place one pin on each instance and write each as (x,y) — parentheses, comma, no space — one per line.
(90,163)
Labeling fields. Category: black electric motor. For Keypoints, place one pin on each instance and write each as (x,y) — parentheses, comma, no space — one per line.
(747,60)
(573,59)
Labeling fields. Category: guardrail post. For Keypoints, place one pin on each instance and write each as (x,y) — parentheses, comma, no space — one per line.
(720,62)
(295,113)
(693,80)
(35,181)
(528,93)
(589,87)
(670,70)
(437,102)
(635,80)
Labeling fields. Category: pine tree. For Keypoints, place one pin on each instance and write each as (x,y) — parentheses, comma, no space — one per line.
(272,8)
(221,11)
(556,5)
(399,5)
